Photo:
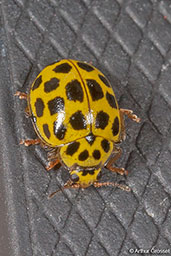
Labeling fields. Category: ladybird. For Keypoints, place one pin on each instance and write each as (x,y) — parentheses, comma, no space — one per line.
(76,116)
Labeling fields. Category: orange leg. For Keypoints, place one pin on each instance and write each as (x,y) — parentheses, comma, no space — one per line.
(111,168)
(52,164)
(129,114)
(27,112)
(30,142)
(21,95)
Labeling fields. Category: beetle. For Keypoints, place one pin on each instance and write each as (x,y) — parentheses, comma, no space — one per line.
(76,116)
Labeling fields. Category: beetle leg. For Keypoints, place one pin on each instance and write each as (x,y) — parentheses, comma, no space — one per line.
(21,95)
(129,114)
(121,171)
(53,163)
(30,142)
(27,112)
(111,168)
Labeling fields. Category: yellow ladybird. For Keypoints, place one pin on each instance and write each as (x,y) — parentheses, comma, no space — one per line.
(76,115)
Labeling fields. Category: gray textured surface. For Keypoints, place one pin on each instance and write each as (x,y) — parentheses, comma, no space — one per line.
(130,42)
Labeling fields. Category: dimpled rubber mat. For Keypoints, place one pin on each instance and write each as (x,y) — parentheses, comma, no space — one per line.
(130,42)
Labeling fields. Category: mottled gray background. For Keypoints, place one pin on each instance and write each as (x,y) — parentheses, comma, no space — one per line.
(130,42)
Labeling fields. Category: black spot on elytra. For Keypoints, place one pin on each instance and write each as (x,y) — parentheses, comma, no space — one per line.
(37,83)
(74,177)
(46,130)
(78,121)
(96,154)
(56,105)
(105,145)
(51,85)
(74,91)
(83,155)
(62,68)
(59,131)
(39,105)
(102,119)
(72,148)
(85,66)
(94,89)
(90,138)
(115,126)
(104,80)
(111,100)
